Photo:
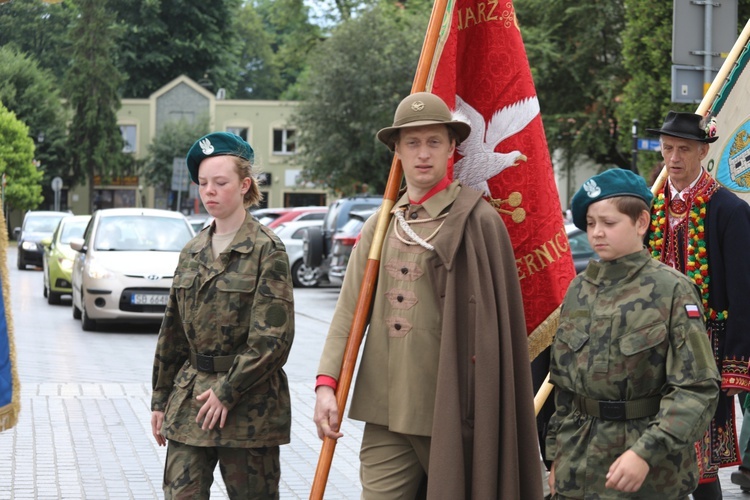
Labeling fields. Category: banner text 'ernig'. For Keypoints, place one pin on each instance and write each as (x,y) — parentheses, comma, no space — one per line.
(543,255)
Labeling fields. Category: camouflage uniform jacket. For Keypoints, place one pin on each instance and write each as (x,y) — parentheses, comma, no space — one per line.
(240,303)
(625,334)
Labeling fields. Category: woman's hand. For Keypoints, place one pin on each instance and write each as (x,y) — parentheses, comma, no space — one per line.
(157,420)
(211,412)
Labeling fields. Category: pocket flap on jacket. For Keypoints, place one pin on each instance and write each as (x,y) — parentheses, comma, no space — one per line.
(572,336)
(184,280)
(643,338)
(242,283)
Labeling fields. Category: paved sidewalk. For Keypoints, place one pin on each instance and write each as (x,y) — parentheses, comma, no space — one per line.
(94,441)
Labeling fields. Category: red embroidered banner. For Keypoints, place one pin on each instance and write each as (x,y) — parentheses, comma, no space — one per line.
(480,69)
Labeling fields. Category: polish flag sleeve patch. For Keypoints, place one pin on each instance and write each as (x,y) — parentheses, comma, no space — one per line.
(693,312)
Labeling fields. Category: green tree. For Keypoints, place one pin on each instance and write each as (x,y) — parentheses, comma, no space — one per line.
(173,140)
(94,141)
(38,29)
(292,39)
(575,51)
(30,92)
(259,75)
(355,81)
(162,40)
(23,190)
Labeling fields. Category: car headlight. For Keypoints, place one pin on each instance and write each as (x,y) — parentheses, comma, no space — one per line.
(65,264)
(29,245)
(98,272)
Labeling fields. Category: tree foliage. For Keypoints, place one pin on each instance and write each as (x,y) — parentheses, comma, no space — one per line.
(162,40)
(94,141)
(23,189)
(259,75)
(292,39)
(356,79)
(575,51)
(173,140)
(38,29)
(31,93)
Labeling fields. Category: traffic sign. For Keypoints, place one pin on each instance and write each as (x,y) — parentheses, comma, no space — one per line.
(57,184)
(649,144)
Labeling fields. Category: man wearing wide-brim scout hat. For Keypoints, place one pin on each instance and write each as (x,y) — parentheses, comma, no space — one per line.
(703,229)
(443,244)
(418,110)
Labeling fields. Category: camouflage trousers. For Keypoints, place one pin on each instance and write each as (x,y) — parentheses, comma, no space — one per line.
(247,472)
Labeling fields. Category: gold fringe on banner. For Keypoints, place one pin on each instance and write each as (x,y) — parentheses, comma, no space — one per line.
(543,335)
(8,413)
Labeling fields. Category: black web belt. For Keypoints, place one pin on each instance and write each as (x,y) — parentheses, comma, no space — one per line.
(618,410)
(211,364)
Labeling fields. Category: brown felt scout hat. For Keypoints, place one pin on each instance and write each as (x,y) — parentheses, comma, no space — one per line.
(418,110)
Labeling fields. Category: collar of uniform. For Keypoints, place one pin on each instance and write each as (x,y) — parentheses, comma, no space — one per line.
(678,194)
(610,272)
(243,241)
(437,203)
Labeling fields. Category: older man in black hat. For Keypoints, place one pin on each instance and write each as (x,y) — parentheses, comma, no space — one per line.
(444,384)
(703,230)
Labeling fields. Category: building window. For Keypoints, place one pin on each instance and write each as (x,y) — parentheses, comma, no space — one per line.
(283,141)
(128,138)
(241,131)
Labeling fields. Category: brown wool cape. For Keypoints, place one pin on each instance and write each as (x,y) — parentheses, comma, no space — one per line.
(491,399)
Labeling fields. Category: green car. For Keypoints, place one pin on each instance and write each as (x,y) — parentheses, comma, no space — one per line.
(58,257)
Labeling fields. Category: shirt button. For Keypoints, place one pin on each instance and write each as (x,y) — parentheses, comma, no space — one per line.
(404,270)
(397,326)
(400,298)
(413,215)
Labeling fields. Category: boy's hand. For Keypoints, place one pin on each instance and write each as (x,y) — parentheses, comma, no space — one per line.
(627,473)
(551,480)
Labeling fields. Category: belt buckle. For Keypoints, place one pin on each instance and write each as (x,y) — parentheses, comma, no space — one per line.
(612,410)
(204,363)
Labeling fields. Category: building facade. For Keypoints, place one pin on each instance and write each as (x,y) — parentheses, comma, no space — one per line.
(264,124)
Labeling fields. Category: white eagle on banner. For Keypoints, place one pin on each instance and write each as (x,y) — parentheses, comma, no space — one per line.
(480,162)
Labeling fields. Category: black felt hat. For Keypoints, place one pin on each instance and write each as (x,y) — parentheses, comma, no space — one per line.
(686,126)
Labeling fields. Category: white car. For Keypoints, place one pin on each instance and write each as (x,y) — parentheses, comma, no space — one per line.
(292,234)
(125,264)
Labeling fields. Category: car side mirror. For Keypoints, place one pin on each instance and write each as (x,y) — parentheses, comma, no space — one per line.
(16,233)
(46,242)
(77,244)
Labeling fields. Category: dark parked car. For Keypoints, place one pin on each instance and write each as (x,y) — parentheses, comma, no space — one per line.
(343,243)
(318,241)
(36,226)
(580,247)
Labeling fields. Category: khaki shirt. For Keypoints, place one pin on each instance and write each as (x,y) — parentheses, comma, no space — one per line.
(396,382)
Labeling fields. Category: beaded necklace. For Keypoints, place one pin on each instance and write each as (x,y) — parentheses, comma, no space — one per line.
(696,266)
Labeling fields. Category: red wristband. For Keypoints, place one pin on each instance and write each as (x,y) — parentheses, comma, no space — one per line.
(326,380)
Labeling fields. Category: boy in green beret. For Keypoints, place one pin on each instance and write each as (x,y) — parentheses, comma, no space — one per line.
(636,383)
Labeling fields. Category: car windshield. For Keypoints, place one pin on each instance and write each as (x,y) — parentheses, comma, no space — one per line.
(352,226)
(42,224)
(142,233)
(73,230)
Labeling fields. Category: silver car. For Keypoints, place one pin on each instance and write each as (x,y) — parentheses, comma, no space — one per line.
(292,234)
(125,265)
